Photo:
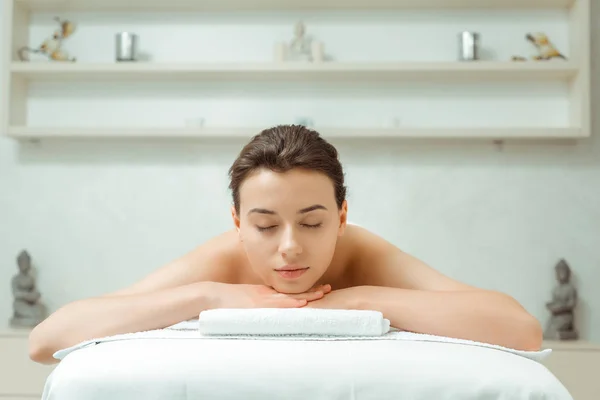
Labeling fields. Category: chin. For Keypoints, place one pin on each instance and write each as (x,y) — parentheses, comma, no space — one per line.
(294,287)
(286,288)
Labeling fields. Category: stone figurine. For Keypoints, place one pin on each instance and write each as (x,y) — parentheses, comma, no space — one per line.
(300,47)
(28,311)
(562,307)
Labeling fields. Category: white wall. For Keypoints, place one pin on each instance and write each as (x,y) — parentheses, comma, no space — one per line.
(98,215)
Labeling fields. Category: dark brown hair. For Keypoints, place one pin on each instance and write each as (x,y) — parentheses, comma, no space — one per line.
(285,147)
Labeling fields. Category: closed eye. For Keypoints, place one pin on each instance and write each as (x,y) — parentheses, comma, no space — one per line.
(312,226)
(268,228)
(265,228)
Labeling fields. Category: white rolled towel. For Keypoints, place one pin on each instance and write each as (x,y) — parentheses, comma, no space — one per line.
(292,321)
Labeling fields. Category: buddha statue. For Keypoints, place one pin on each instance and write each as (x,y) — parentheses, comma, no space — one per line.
(300,47)
(28,311)
(562,307)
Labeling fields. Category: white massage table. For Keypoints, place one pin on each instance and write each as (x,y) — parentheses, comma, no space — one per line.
(184,366)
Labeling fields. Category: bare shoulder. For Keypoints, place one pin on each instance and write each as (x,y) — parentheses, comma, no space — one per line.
(378,262)
(213,260)
(218,259)
(363,245)
(363,240)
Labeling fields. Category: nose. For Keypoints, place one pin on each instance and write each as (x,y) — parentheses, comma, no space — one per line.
(289,245)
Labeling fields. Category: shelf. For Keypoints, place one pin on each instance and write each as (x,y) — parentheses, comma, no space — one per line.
(258,5)
(572,345)
(10,332)
(21,132)
(430,71)
(569,95)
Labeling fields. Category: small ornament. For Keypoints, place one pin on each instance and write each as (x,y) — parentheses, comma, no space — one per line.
(300,48)
(28,310)
(546,50)
(52,47)
(562,307)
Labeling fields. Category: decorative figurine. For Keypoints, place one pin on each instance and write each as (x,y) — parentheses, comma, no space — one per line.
(51,47)
(28,311)
(546,50)
(300,47)
(562,307)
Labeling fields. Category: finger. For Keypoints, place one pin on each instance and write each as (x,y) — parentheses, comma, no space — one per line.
(308,296)
(291,303)
(285,301)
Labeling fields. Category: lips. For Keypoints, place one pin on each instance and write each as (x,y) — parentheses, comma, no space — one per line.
(291,271)
(291,267)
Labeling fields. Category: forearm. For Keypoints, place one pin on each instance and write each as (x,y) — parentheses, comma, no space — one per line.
(98,317)
(484,316)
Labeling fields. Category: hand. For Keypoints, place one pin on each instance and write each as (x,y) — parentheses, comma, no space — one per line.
(261,296)
(347,299)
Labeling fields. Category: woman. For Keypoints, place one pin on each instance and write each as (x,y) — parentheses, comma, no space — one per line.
(292,247)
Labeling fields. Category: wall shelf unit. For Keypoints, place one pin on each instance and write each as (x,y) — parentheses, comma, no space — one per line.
(21,77)
(410,71)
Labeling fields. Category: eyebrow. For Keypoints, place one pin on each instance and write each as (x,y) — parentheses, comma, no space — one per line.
(302,211)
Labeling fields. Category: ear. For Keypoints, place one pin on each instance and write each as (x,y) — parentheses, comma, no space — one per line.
(236,219)
(343,218)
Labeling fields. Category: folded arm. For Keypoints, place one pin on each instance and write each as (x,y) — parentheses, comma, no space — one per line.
(479,315)
(105,316)
(417,298)
(171,294)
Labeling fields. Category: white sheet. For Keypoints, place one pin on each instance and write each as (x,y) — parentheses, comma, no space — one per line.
(179,364)
(190,330)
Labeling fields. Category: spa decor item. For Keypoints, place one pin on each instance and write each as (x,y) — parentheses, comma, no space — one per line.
(546,50)
(468,46)
(126,47)
(28,311)
(301,48)
(52,46)
(562,307)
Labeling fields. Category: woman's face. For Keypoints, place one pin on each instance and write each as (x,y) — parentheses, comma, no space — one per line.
(289,221)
